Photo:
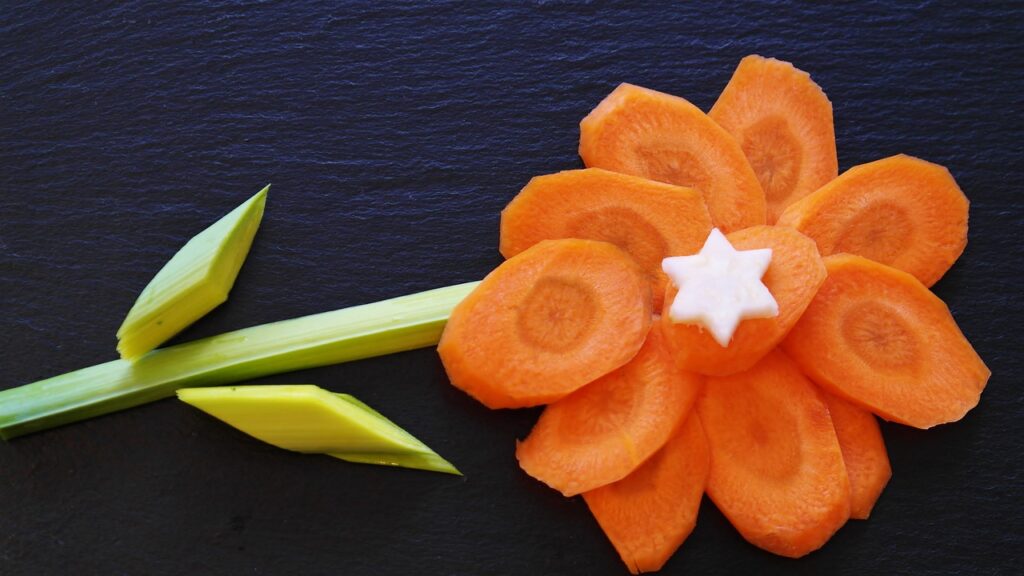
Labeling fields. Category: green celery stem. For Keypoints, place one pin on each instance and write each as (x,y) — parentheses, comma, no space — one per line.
(385,327)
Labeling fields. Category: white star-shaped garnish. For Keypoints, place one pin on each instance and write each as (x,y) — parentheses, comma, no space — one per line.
(720,286)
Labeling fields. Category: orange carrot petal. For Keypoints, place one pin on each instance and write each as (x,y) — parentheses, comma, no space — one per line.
(646,133)
(603,432)
(900,211)
(777,471)
(783,122)
(547,321)
(867,462)
(649,220)
(648,514)
(794,275)
(878,337)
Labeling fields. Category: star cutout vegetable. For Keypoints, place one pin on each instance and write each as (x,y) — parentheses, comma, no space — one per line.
(720,286)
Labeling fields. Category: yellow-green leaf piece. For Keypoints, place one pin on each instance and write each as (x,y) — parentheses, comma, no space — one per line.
(194,281)
(307,418)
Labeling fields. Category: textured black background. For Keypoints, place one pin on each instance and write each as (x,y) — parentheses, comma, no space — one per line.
(393,136)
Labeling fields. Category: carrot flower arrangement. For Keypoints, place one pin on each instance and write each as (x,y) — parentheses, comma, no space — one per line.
(760,394)
(707,307)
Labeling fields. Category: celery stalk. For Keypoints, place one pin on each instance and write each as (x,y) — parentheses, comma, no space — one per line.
(384,327)
(194,281)
(306,418)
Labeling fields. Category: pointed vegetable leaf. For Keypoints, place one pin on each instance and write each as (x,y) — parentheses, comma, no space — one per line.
(306,418)
(194,281)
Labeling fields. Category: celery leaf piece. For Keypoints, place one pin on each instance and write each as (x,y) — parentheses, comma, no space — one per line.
(194,281)
(306,418)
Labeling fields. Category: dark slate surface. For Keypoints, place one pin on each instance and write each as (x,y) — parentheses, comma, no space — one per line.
(393,137)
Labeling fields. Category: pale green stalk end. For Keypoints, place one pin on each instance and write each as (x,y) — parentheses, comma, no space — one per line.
(306,418)
(194,281)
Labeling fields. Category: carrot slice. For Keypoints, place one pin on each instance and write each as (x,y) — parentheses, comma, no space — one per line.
(793,276)
(648,514)
(639,131)
(901,211)
(649,220)
(876,336)
(546,322)
(776,467)
(603,432)
(867,462)
(783,122)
